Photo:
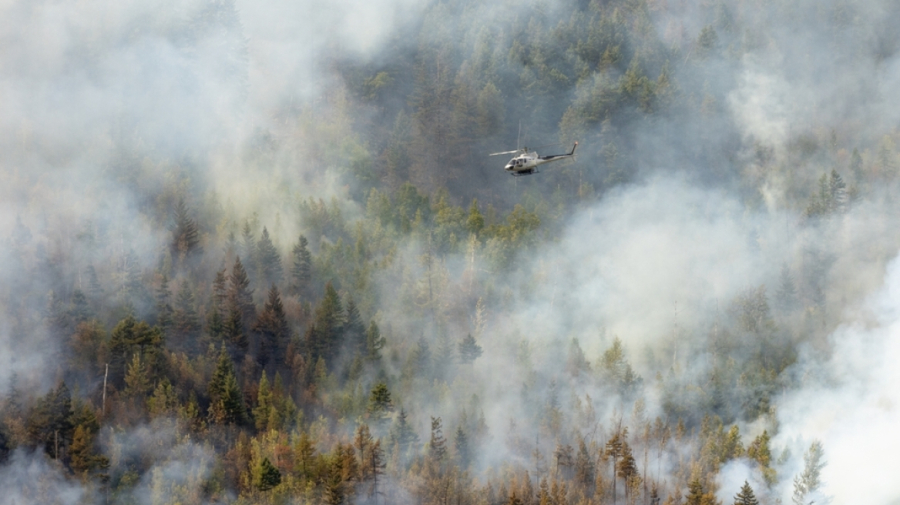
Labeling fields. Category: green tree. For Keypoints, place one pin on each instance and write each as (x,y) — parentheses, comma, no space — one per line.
(185,235)
(746,496)
(437,446)
(83,456)
(585,472)
(226,401)
(324,336)
(163,306)
(475,221)
(301,266)
(403,434)
(758,451)
(355,338)
(461,444)
(263,410)
(185,322)
(269,476)
(270,270)
(273,329)
(380,403)
(469,350)
(374,342)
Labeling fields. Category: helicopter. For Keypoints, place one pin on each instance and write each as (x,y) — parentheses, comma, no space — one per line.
(527,162)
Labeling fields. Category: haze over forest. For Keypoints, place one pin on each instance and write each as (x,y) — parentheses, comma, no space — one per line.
(257,252)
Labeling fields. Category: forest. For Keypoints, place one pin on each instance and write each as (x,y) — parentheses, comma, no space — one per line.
(259,253)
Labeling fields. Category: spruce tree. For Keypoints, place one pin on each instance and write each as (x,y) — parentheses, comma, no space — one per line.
(461,444)
(469,350)
(355,339)
(374,342)
(437,446)
(746,496)
(380,404)
(301,267)
(269,476)
(273,329)
(226,401)
(185,235)
(270,270)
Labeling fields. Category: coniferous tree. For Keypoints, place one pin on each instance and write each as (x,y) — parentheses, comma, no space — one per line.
(808,481)
(461,444)
(746,496)
(584,467)
(380,404)
(374,342)
(469,350)
(185,235)
(185,322)
(403,434)
(263,410)
(226,401)
(270,271)
(437,446)
(354,331)
(269,476)
(324,337)
(272,327)
(241,311)
(301,267)
(215,321)
(163,306)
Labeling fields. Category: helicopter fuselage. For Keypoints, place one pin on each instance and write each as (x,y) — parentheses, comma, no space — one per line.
(528,162)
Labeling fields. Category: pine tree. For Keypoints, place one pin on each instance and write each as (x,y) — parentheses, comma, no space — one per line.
(215,321)
(163,306)
(269,476)
(324,337)
(226,400)
(185,322)
(461,444)
(746,496)
(263,410)
(355,338)
(374,342)
(380,404)
(437,447)
(185,235)
(403,434)
(137,383)
(273,329)
(469,350)
(809,481)
(475,221)
(241,311)
(270,271)
(301,268)
(584,467)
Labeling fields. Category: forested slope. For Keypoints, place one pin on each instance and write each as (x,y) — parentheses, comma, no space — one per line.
(259,254)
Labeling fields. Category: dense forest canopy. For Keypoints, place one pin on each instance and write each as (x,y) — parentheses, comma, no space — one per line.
(258,253)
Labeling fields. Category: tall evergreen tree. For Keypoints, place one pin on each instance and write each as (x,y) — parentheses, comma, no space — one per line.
(325,336)
(163,305)
(273,329)
(301,266)
(469,350)
(355,339)
(270,271)
(437,446)
(746,496)
(185,322)
(374,342)
(226,400)
(185,235)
